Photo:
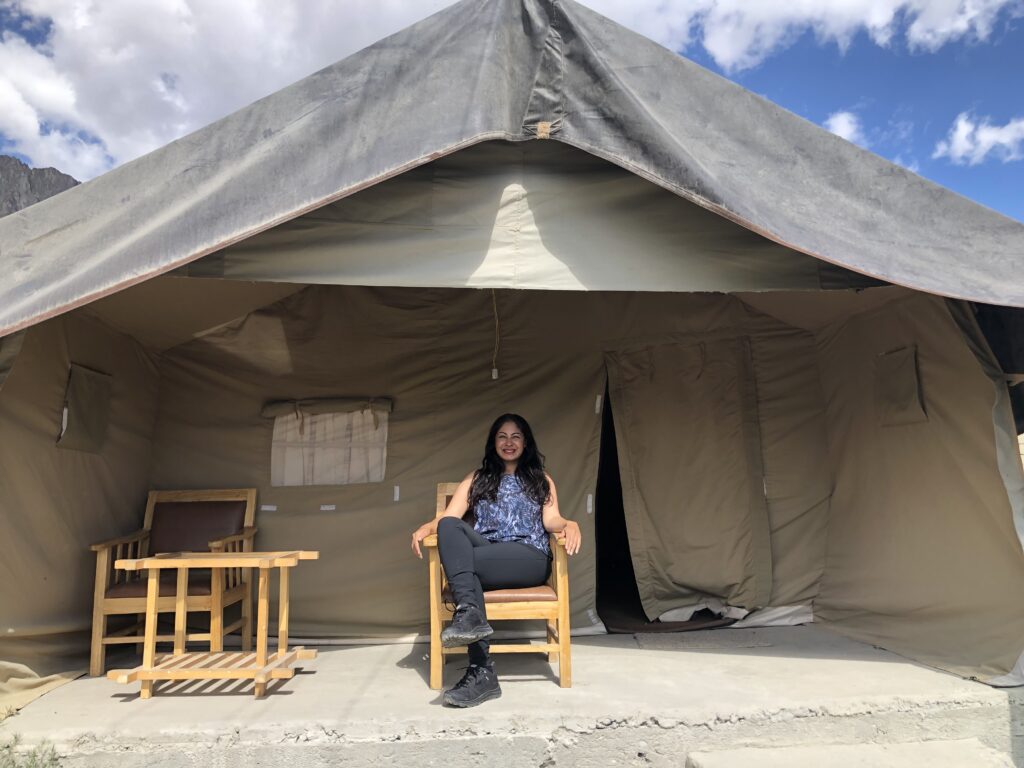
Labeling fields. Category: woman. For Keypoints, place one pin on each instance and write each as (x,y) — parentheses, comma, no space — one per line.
(514,506)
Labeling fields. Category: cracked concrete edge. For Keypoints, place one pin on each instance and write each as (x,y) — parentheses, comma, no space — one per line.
(444,726)
(563,743)
(940,753)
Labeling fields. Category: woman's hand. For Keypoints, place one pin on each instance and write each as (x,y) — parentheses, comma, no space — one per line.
(419,535)
(572,537)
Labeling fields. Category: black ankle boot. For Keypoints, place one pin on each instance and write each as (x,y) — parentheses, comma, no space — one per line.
(479,684)
(468,625)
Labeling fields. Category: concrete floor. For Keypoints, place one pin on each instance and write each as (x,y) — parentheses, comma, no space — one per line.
(644,700)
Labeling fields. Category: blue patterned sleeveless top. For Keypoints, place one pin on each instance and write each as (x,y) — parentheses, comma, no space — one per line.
(512,516)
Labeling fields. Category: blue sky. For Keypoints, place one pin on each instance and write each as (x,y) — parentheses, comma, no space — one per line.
(935,85)
(906,102)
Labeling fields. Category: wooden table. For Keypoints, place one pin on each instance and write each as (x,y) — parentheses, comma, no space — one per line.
(260,666)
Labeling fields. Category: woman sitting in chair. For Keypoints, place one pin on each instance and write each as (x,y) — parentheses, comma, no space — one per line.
(514,506)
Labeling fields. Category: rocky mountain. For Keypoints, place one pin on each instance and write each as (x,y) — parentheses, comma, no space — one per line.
(20,186)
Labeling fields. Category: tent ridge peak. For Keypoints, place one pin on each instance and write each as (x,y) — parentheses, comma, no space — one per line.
(546,107)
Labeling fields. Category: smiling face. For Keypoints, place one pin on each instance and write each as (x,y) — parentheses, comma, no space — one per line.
(509,442)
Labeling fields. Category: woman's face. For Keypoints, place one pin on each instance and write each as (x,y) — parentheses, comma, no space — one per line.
(509,442)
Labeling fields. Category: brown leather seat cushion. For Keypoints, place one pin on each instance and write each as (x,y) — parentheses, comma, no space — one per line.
(189,526)
(542,593)
(198,584)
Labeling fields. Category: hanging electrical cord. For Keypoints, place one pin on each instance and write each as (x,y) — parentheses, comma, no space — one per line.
(497,335)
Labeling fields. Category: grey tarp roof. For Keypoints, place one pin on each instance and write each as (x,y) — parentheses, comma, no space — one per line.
(498,69)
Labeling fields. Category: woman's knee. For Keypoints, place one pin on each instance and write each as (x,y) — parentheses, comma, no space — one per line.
(447,525)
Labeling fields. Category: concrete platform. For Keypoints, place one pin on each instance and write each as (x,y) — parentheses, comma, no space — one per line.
(965,753)
(636,700)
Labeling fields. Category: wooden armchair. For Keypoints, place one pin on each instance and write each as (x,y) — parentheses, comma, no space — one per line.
(177,521)
(549,602)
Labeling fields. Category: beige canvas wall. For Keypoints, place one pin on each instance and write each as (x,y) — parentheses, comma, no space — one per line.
(430,350)
(922,558)
(54,502)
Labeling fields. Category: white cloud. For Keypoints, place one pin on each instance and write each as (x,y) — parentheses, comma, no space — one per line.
(740,34)
(119,78)
(39,115)
(847,125)
(971,141)
(133,75)
(939,21)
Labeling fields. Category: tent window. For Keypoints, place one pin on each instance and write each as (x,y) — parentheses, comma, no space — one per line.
(898,388)
(83,425)
(339,448)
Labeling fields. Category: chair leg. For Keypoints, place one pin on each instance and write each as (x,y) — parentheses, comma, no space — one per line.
(99,620)
(564,649)
(436,654)
(552,634)
(98,651)
(560,575)
(436,660)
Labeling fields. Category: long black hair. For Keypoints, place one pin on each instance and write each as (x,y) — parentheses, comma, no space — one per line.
(529,469)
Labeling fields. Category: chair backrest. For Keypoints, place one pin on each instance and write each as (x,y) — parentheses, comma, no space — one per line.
(186,521)
(445,492)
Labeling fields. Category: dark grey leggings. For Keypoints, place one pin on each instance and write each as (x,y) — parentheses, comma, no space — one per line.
(473,564)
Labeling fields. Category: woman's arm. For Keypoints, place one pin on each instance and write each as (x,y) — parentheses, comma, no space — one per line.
(457,507)
(555,523)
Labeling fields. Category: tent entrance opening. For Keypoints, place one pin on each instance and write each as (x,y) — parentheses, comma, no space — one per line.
(618,599)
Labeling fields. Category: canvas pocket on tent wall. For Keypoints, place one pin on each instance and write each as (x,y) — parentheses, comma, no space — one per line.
(86,410)
(898,396)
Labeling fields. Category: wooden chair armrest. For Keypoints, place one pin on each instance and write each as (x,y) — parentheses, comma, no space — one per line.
(557,541)
(131,537)
(430,541)
(248,532)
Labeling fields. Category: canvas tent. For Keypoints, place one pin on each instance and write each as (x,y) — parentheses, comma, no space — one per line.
(793,432)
